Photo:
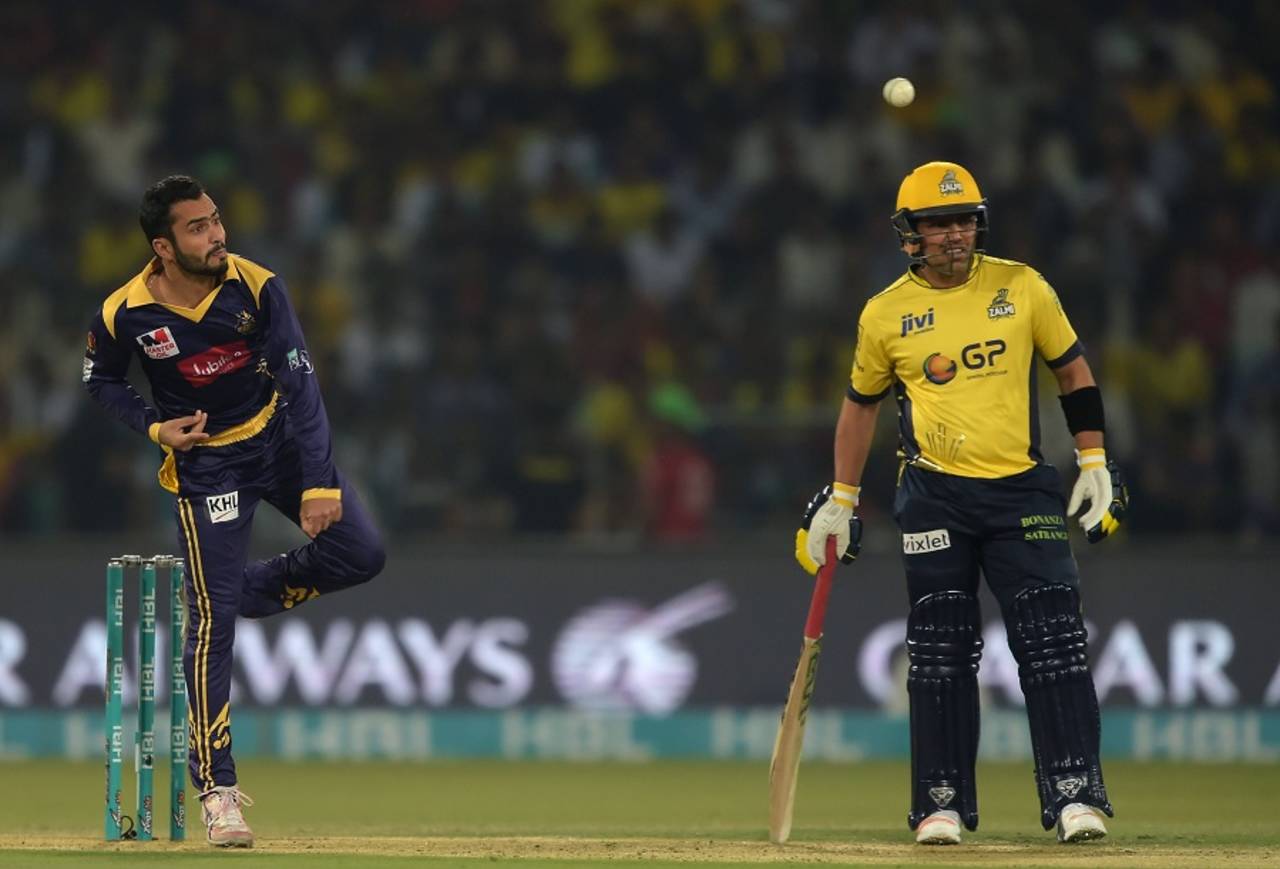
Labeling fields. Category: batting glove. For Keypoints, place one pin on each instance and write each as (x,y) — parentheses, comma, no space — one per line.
(830,512)
(1102,485)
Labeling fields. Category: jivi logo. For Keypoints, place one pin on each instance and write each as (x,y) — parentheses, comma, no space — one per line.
(913,324)
(619,655)
(926,541)
(223,508)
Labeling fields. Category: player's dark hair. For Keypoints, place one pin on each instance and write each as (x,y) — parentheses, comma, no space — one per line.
(159,198)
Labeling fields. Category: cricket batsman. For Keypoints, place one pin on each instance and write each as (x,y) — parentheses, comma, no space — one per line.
(955,339)
(237,412)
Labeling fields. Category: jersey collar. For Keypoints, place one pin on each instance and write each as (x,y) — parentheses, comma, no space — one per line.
(978,260)
(138,294)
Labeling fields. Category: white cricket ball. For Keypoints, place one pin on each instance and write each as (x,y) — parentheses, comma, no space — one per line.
(899,92)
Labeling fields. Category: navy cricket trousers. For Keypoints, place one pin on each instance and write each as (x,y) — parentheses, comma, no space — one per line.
(219,488)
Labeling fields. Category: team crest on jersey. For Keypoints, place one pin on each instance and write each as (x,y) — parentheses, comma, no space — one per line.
(90,345)
(245,323)
(1000,306)
(950,185)
(158,343)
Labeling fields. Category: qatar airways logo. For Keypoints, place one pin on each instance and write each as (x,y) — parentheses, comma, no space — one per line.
(623,655)
(206,367)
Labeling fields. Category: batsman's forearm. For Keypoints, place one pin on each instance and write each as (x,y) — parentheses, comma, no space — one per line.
(854,432)
(1072,378)
(1088,440)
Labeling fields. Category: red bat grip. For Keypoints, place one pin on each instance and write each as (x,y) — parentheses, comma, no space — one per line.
(821,591)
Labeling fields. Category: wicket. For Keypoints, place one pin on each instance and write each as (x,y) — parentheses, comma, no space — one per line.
(145,738)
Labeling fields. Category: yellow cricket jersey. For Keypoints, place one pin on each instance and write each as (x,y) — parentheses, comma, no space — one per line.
(962,363)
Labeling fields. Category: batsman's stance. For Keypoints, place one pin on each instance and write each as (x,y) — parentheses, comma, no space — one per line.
(956,338)
(238,414)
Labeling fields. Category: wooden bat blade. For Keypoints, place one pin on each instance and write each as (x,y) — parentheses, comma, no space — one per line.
(784,767)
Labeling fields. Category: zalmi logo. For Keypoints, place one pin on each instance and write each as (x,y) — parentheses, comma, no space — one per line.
(950,185)
(912,323)
(1000,306)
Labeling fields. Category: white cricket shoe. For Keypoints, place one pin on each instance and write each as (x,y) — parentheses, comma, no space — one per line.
(1080,823)
(940,828)
(220,809)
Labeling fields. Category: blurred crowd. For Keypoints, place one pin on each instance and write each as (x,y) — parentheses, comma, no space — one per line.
(593,266)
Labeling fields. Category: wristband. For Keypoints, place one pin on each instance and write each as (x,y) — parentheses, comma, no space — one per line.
(1094,457)
(1083,410)
(845,495)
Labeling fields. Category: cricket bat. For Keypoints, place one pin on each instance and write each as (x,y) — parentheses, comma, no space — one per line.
(784,768)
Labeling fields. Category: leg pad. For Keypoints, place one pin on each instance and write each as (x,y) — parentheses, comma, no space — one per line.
(944,645)
(1048,638)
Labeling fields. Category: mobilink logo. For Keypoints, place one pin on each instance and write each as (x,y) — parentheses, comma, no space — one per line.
(204,368)
(621,655)
(912,323)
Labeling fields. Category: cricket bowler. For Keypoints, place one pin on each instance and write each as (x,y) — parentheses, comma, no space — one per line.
(236,410)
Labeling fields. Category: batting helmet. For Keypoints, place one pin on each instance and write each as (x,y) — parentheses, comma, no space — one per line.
(938,189)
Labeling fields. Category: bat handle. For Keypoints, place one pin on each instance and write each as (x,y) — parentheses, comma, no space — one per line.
(821,591)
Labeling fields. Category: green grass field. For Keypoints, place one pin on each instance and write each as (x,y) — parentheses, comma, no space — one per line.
(655,815)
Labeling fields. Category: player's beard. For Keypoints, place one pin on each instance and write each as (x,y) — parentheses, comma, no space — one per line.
(943,263)
(200,267)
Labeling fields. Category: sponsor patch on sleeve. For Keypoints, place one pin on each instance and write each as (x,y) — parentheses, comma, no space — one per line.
(299,360)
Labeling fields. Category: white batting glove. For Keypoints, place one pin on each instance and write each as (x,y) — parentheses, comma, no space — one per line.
(1102,486)
(832,517)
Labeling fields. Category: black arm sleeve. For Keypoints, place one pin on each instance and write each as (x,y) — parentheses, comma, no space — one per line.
(1083,410)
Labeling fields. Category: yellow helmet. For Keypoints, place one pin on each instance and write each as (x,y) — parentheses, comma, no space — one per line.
(936,189)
